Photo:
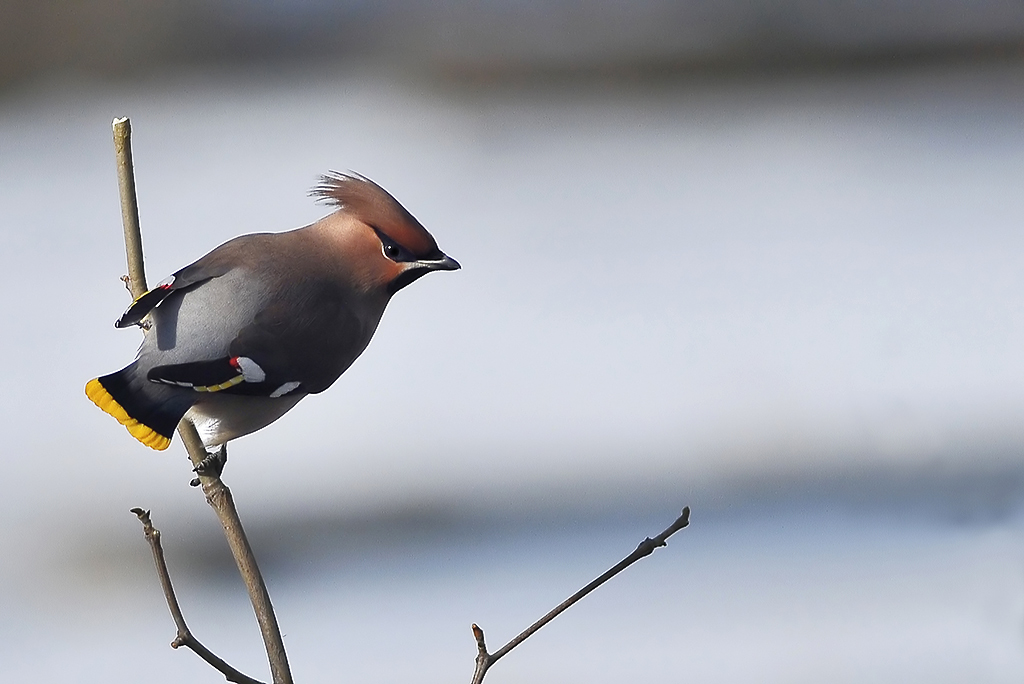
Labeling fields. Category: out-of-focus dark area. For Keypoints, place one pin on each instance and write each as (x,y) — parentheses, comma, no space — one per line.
(762,258)
(113,38)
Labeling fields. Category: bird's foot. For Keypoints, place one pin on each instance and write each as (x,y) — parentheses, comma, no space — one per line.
(212,465)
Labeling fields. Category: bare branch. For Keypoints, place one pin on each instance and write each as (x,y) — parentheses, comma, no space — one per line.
(129,206)
(184,637)
(219,497)
(484,660)
(217,493)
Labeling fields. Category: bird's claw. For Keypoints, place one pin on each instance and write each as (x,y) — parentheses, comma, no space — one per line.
(212,465)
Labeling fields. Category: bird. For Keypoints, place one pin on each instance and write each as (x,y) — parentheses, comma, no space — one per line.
(236,339)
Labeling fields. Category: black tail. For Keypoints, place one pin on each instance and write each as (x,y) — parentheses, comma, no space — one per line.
(151,412)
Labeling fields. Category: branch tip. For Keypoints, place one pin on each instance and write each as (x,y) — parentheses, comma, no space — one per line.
(147,523)
(478,634)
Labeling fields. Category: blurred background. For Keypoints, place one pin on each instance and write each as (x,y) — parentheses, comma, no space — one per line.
(759,257)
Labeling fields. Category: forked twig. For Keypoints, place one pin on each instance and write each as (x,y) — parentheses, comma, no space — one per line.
(217,493)
(219,497)
(484,660)
(184,637)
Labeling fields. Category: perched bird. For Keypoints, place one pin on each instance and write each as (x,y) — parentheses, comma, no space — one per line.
(236,339)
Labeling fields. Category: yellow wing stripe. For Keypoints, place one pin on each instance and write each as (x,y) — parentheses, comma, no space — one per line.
(145,434)
(238,379)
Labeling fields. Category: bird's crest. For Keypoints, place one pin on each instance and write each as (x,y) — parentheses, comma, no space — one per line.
(374,206)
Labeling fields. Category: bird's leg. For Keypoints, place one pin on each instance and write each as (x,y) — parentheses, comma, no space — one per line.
(213,464)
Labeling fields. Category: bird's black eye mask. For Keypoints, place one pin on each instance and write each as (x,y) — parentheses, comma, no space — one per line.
(392,250)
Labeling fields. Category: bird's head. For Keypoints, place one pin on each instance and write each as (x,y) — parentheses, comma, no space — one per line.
(388,247)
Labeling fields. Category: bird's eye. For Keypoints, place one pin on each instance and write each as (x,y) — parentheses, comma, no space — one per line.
(392,250)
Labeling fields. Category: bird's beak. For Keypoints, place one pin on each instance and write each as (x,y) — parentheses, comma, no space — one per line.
(444,264)
(417,269)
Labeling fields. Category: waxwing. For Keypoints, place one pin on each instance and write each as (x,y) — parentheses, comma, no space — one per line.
(239,337)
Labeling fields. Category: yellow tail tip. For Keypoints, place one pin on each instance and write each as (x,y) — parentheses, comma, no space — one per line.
(99,395)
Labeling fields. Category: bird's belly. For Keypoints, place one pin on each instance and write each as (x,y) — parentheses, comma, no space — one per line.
(222,417)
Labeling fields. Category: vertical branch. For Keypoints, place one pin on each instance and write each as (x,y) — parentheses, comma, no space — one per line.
(217,494)
(129,205)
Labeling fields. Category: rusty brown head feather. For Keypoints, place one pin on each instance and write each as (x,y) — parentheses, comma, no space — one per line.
(374,206)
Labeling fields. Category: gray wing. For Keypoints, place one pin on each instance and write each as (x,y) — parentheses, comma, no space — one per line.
(215,264)
(299,342)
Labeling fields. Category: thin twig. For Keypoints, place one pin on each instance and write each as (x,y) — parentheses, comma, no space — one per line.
(184,637)
(217,494)
(484,660)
